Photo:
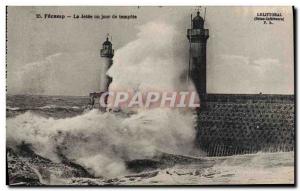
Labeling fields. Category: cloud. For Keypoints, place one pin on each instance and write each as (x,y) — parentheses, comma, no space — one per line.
(57,74)
(240,74)
(234,59)
(268,61)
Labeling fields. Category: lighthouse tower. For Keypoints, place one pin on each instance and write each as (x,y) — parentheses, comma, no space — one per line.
(107,53)
(198,36)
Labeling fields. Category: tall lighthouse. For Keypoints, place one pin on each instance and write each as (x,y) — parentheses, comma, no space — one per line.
(198,36)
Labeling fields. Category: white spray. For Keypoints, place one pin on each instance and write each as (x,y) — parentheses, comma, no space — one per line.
(102,142)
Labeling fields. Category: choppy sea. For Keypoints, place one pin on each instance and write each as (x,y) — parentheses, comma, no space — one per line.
(55,140)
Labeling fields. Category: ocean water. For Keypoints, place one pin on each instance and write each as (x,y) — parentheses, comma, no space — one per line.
(55,140)
(48,106)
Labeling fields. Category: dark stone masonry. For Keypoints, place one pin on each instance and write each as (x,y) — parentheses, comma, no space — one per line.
(231,124)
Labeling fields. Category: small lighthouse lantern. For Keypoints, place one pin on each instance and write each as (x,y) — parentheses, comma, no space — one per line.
(107,50)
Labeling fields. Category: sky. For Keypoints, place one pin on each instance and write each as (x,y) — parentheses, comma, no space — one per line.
(62,56)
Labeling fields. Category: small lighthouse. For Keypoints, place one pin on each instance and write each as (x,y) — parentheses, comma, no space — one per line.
(107,52)
(198,36)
